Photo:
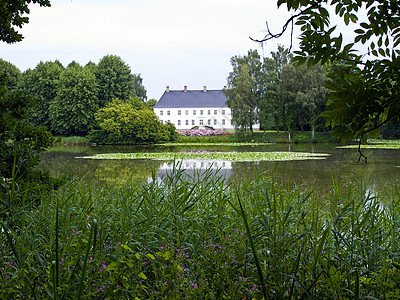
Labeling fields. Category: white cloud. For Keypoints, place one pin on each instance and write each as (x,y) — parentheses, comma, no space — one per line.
(168,42)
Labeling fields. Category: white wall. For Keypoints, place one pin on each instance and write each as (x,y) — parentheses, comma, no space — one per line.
(185,118)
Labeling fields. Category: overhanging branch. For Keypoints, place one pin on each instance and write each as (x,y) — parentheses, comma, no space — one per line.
(290,21)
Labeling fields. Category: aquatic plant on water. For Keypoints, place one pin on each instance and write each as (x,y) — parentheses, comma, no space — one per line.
(206,155)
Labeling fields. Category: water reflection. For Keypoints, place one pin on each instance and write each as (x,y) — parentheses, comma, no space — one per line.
(379,173)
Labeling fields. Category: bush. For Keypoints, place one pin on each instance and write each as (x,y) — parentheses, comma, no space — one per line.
(129,122)
(202,132)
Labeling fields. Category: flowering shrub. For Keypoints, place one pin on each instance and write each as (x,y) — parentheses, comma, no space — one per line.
(200,132)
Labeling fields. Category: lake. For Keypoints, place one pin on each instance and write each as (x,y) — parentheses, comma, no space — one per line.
(380,172)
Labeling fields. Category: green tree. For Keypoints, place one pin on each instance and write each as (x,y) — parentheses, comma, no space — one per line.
(288,88)
(139,88)
(315,94)
(12,73)
(114,79)
(364,88)
(42,84)
(129,122)
(20,142)
(273,111)
(20,146)
(13,16)
(303,90)
(243,93)
(150,103)
(72,110)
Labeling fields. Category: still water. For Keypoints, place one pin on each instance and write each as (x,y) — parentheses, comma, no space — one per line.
(380,173)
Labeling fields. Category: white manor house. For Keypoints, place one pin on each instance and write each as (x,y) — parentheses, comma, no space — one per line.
(189,108)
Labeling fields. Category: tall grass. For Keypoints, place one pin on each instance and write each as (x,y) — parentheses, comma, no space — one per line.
(193,236)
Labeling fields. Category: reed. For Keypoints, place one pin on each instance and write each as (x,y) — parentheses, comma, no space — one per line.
(193,235)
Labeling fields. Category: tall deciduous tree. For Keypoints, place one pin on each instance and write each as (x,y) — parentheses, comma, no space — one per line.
(139,87)
(243,92)
(42,84)
(12,73)
(269,114)
(72,111)
(114,79)
(365,91)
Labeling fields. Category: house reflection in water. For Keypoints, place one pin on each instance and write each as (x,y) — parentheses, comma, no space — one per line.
(198,168)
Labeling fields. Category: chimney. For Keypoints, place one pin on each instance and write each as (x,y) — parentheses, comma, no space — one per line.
(225,87)
(204,88)
(167,89)
(185,88)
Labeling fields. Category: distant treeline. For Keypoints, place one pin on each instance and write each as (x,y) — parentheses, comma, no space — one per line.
(72,100)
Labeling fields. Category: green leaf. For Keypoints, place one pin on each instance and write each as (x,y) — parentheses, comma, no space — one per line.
(126,247)
(112,266)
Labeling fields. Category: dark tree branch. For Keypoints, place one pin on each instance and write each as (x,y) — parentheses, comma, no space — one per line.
(360,153)
(290,21)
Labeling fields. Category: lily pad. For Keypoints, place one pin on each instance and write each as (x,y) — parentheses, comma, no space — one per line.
(226,156)
(373,146)
(216,144)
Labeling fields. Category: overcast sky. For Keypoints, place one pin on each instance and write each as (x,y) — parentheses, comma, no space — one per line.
(169,42)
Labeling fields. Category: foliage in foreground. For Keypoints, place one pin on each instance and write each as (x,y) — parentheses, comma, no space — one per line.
(20,145)
(364,81)
(192,236)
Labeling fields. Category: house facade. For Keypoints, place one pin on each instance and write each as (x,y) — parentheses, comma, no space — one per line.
(189,108)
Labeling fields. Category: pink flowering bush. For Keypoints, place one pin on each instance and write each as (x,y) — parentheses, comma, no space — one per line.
(202,132)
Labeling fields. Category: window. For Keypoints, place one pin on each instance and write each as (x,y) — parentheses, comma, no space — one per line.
(223,111)
(192,122)
(201,112)
(162,122)
(201,122)
(186,112)
(209,111)
(168,121)
(209,122)
(187,122)
(223,121)
(179,122)
(179,112)
(194,112)
(215,111)
(161,113)
(215,121)
(168,112)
